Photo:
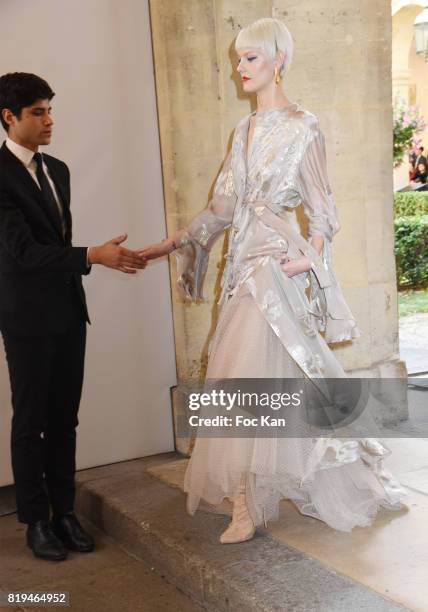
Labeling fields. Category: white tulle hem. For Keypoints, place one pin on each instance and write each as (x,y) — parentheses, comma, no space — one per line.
(345,483)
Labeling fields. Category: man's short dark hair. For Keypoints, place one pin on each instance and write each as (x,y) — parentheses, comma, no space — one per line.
(421,148)
(20,89)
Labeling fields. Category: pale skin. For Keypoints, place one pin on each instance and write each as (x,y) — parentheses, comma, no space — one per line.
(257,71)
(33,128)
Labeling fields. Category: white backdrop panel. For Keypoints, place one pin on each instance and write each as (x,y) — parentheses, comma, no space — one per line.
(97,57)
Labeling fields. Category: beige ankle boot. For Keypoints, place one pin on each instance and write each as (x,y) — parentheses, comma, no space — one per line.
(241,527)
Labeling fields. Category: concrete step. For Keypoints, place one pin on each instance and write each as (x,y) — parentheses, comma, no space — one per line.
(149,519)
(108,580)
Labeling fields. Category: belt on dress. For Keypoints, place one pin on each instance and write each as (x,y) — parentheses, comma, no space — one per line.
(285,229)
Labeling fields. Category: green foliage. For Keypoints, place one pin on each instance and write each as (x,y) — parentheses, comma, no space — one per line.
(411,302)
(410,204)
(411,251)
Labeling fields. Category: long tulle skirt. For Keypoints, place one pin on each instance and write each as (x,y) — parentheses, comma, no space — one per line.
(341,482)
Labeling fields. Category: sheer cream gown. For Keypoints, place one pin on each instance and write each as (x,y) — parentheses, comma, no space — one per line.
(269,327)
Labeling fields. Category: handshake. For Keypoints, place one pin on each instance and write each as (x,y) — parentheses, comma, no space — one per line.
(112,255)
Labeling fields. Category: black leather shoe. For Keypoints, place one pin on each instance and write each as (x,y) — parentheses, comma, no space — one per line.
(44,543)
(72,534)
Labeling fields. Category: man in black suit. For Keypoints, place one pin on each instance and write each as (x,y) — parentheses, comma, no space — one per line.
(43,316)
(419,158)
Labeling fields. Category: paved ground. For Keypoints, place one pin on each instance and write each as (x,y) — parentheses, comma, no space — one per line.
(149,518)
(368,555)
(414,342)
(107,580)
(113,579)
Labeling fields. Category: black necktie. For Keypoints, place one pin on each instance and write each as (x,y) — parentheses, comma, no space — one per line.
(47,192)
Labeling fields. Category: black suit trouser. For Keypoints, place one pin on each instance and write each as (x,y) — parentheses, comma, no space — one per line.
(46,375)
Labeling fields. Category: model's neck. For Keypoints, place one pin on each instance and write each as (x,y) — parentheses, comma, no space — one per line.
(271,97)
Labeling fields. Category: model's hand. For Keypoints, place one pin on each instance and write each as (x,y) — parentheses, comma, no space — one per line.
(153,251)
(112,255)
(291,267)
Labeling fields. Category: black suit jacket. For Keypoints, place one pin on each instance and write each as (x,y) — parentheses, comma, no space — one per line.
(40,271)
(422,160)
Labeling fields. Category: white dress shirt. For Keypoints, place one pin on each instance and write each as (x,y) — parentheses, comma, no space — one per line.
(26,157)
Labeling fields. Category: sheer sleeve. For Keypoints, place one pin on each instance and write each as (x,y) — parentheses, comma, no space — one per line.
(202,232)
(315,191)
(328,302)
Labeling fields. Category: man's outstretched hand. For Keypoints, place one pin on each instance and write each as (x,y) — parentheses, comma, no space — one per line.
(112,255)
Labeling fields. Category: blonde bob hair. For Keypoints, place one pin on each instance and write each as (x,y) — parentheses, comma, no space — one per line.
(270,35)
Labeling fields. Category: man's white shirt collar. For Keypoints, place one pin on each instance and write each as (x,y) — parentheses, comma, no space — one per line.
(23,154)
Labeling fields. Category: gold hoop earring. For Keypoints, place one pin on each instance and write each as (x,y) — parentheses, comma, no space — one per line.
(277,77)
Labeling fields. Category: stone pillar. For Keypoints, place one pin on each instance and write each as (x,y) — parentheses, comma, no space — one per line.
(341,72)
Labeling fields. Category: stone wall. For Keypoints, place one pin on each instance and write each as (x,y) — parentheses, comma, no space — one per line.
(342,73)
